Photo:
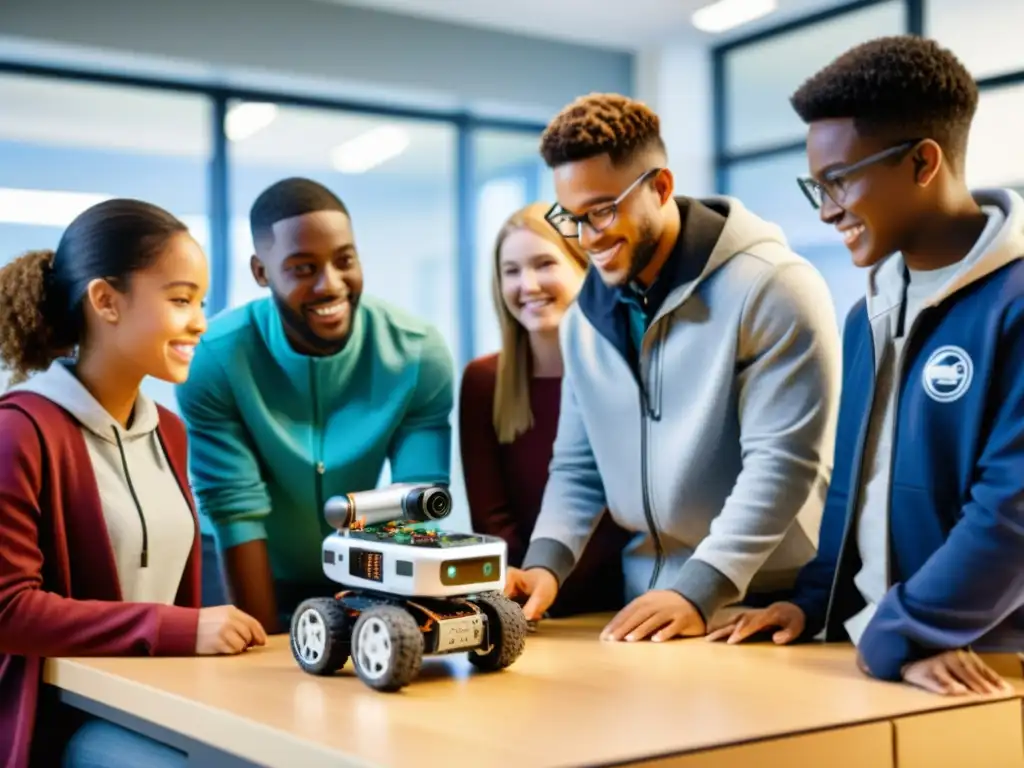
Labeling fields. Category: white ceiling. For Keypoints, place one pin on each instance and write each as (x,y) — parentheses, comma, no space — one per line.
(639,24)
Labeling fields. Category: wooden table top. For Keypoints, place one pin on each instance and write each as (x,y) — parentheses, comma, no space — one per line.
(571,699)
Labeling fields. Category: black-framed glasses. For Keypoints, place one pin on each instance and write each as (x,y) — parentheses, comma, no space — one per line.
(598,219)
(835,182)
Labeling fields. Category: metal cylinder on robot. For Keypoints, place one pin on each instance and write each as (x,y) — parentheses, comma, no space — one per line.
(401,501)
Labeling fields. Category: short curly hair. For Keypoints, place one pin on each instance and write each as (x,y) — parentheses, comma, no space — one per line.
(903,86)
(601,123)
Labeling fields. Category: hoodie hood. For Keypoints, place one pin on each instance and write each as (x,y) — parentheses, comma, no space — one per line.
(743,232)
(59,385)
(1001,243)
(712,231)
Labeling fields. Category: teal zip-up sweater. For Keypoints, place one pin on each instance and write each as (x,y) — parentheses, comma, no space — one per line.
(273,434)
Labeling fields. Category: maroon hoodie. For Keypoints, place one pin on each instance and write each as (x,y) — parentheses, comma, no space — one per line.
(59,591)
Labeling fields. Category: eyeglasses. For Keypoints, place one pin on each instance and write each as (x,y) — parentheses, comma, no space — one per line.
(834,184)
(598,219)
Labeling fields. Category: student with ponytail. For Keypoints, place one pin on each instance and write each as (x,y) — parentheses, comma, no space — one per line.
(99,545)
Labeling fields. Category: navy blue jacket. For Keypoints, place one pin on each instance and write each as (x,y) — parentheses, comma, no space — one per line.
(956,520)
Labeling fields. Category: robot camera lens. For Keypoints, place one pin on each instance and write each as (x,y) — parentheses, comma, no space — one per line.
(437,503)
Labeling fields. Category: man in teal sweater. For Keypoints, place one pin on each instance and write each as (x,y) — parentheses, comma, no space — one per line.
(304,395)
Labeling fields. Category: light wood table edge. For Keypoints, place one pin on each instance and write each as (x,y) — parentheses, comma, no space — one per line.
(199,722)
(807,747)
(669,759)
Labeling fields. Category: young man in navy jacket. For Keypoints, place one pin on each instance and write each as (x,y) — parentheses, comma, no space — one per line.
(921,553)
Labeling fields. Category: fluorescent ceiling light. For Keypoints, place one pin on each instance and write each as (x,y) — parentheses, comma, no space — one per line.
(370,149)
(247,118)
(727,14)
(44,208)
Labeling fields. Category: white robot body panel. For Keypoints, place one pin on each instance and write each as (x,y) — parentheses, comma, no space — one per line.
(476,563)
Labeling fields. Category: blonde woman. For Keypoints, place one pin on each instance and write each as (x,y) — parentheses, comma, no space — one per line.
(508,408)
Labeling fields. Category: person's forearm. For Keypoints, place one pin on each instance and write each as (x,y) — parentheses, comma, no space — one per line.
(251,583)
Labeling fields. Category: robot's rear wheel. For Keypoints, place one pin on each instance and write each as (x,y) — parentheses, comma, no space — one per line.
(320,636)
(387,648)
(506,630)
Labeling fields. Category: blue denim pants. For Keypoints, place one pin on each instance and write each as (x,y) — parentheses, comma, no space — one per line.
(102,744)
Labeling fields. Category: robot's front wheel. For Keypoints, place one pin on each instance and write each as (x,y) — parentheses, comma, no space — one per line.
(506,632)
(387,648)
(319,636)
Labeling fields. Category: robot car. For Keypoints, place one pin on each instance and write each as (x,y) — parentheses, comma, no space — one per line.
(411,590)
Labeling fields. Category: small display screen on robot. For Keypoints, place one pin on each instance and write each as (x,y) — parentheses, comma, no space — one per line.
(415,535)
(366,565)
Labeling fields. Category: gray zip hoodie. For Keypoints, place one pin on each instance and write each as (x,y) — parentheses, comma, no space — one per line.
(147,517)
(715,448)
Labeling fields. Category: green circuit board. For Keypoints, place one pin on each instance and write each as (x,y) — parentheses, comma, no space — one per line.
(415,535)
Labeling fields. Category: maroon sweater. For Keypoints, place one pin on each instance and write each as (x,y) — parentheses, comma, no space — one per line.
(59,590)
(505,485)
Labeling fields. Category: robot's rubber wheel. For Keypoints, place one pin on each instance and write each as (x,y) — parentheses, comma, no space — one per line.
(507,630)
(320,636)
(387,648)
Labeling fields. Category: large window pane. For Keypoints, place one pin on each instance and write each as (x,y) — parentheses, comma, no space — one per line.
(510,174)
(768,188)
(986,36)
(65,146)
(396,177)
(759,78)
(995,155)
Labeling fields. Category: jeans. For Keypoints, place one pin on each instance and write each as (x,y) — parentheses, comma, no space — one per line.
(101,744)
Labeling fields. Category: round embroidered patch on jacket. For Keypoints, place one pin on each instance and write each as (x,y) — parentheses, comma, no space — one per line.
(947,374)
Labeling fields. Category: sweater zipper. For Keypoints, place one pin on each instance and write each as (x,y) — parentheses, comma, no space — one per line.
(659,553)
(647,413)
(144,559)
(317,439)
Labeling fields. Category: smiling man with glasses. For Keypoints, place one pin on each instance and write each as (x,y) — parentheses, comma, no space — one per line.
(700,383)
(921,562)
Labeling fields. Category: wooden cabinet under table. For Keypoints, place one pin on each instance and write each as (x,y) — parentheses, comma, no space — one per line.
(571,700)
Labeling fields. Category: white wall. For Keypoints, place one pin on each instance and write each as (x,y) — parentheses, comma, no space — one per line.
(675,81)
(374,55)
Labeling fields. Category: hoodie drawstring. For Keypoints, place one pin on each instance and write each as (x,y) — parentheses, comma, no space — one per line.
(138,506)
